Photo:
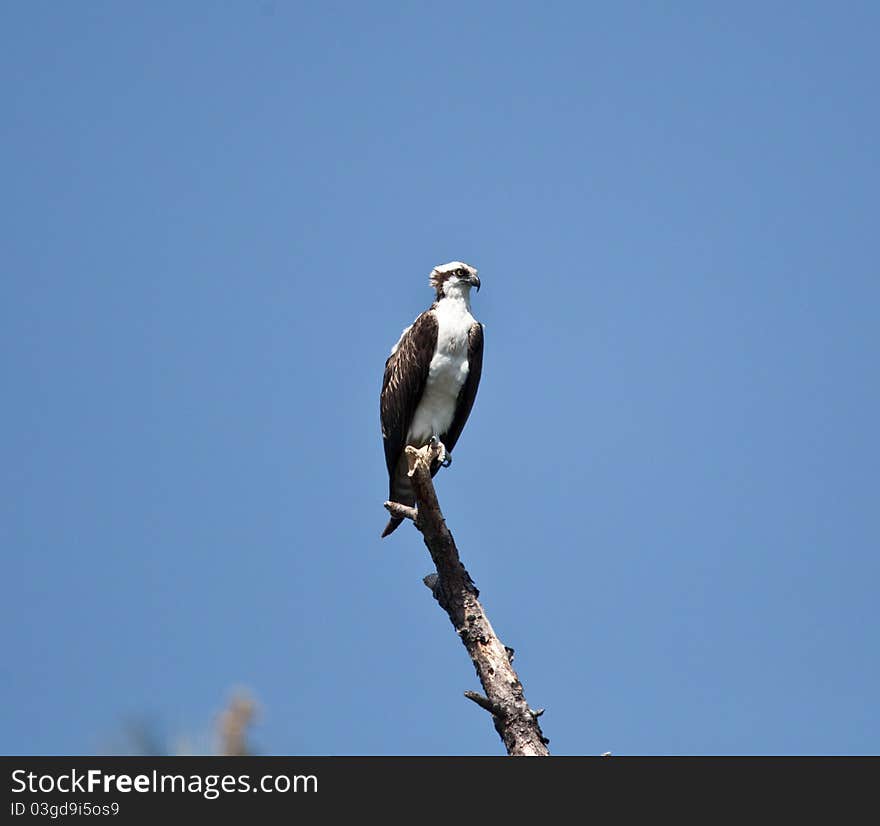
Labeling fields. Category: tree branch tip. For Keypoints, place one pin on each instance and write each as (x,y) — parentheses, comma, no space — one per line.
(402,511)
(484,703)
(424,456)
(537,712)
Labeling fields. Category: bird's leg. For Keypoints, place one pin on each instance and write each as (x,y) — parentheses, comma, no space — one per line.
(444,456)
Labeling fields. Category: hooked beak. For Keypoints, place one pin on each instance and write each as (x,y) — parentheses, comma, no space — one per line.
(475,281)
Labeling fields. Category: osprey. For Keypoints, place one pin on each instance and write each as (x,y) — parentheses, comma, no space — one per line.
(431,379)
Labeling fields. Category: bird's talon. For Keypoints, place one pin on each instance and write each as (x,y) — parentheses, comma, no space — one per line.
(444,458)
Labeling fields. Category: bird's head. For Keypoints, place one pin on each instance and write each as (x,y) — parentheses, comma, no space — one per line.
(454,278)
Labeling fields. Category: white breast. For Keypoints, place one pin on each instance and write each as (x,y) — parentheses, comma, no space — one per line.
(447,373)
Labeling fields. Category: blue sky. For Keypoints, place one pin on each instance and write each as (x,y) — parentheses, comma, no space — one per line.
(218,218)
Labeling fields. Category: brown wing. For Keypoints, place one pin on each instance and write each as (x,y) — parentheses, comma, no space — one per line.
(406,372)
(468,391)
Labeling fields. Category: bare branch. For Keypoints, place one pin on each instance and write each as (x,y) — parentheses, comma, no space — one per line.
(483,702)
(515,722)
(403,511)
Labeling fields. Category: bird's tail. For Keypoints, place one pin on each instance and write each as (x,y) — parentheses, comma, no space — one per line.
(392,526)
(400,491)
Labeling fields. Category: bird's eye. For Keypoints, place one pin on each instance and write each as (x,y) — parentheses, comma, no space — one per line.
(459,272)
